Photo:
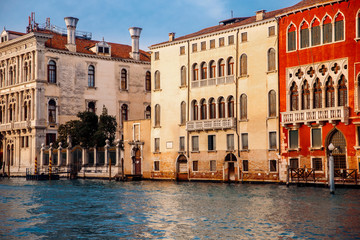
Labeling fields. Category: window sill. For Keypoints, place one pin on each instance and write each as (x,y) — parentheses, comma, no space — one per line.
(357,147)
(181,152)
(124,90)
(157,90)
(156,152)
(183,87)
(357,39)
(244,150)
(91,88)
(244,76)
(316,148)
(212,151)
(273,150)
(157,127)
(146,91)
(195,151)
(230,150)
(294,149)
(182,125)
(272,71)
(268,118)
(243,120)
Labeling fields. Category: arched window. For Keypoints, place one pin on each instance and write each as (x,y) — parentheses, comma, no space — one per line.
(358,92)
(25,111)
(230,66)
(317,94)
(123,79)
(339,27)
(243,107)
(26,72)
(315,32)
(294,97)
(305,96)
(52,111)
(358,24)
(272,103)
(330,94)
(212,67)
(342,91)
(182,112)
(327,30)
(148,81)
(221,70)
(195,110)
(157,80)
(212,108)
(304,35)
(183,76)
(203,70)
(231,107)
(271,60)
(195,72)
(11,76)
(148,112)
(291,37)
(124,114)
(91,76)
(52,71)
(221,104)
(91,107)
(243,65)
(203,114)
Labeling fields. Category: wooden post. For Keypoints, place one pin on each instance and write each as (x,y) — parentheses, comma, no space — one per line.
(287,176)
(36,170)
(109,169)
(50,168)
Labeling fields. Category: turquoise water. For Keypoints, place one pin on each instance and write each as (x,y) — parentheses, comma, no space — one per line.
(95,209)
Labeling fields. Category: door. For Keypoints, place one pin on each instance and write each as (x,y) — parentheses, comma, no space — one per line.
(182,169)
(137,162)
(339,153)
(231,171)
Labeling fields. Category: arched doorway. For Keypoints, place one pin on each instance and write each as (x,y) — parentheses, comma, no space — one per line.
(230,174)
(182,173)
(339,153)
(137,162)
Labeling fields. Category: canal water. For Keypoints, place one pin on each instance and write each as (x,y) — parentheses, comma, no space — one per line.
(95,209)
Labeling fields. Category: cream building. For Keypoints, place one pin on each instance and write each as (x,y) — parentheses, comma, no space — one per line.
(214,102)
(49,74)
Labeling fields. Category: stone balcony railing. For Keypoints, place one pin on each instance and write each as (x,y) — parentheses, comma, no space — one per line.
(211,124)
(16,125)
(316,115)
(212,81)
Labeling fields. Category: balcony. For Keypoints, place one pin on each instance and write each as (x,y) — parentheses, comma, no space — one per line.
(212,81)
(316,115)
(15,126)
(211,124)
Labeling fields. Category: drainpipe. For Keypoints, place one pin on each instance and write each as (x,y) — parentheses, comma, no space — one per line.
(237,92)
(278,67)
(188,100)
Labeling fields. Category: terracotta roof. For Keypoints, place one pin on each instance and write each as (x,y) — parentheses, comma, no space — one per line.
(15,33)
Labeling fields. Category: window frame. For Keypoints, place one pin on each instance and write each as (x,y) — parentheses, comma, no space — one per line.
(91,76)
(157,112)
(272,106)
(212,167)
(181,144)
(272,146)
(157,145)
(271,164)
(52,112)
(52,71)
(291,37)
(211,142)
(195,165)
(244,144)
(124,79)
(148,81)
(313,163)
(156,166)
(245,164)
(230,145)
(313,136)
(292,145)
(194,142)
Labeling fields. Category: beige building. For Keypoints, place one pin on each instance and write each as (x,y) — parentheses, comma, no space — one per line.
(49,74)
(214,102)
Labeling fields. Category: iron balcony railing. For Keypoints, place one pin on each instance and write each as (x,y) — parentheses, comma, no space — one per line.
(211,124)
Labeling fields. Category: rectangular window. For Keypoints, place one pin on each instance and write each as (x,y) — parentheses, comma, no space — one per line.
(195,143)
(211,142)
(245,165)
(273,166)
(182,144)
(203,46)
(221,42)
(195,166)
(315,35)
(272,140)
(244,141)
(231,39)
(157,145)
(212,43)
(291,41)
(293,139)
(271,31)
(304,41)
(244,37)
(317,164)
(156,165)
(212,165)
(339,30)
(22,142)
(27,141)
(50,138)
(182,50)
(194,47)
(294,163)
(156,55)
(327,33)
(316,137)
(230,142)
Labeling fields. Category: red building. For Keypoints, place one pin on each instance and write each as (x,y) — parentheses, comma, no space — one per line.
(319,84)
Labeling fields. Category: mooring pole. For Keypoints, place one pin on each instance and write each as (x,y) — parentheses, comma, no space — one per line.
(287,175)
(50,168)
(36,170)
(331,169)
(109,169)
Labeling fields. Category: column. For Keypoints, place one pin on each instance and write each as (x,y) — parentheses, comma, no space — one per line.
(60,160)
(323,98)
(34,57)
(311,98)
(118,157)
(31,117)
(336,100)
(42,160)
(95,156)
(84,156)
(107,145)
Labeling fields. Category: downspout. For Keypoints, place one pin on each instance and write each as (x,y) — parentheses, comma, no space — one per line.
(278,80)
(237,92)
(188,100)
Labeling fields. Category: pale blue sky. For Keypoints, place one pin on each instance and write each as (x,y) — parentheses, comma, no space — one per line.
(112,18)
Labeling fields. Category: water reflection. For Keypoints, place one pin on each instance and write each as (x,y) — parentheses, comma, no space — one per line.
(94,209)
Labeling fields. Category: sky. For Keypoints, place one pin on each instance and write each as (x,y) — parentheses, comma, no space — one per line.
(111,19)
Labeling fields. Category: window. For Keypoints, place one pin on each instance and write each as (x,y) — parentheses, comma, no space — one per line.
(231,39)
(157,115)
(123,84)
(211,142)
(203,114)
(305,95)
(195,71)
(212,67)
(195,110)
(244,141)
(91,76)
(315,33)
(230,142)
(244,37)
(50,138)
(157,80)
(293,139)
(243,107)
(52,71)
(304,36)
(156,165)
(148,112)
(230,66)
(91,107)
(182,144)
(294,97)
(203,46)
(342,91)
(272,140)
(212,43)
(183,76)
(221,104)
(273,166)
(212,108)
(212,165)
(294,163)
(157,57)
(327,30)
(124,114)
(182,113)
(271,31)
(195,166)
(358,135)
(221,68)
(230,107)
(194,47)
(148,81)
(339,27)
(271,60)
(243,65)
(316,138)
(182,50)
(291,38)
(272,103)
(157,145)
(330,94)
(245,165)
(203,70)
(195,143)
(317,94)
(317,164)
(221,42)
(52,111)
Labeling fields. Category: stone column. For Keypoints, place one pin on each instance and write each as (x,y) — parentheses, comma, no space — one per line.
(95,156)
(107,145)
(323,98)
(59,154)
(336,100)
(84,156)
(42,160)
(311,98)
(118,152)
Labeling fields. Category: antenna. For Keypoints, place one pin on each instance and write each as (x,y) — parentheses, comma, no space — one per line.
(232,14)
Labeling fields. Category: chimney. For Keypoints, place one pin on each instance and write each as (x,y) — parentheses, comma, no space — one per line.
(135,35)
(71,27)
(260,15)
(171,36)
